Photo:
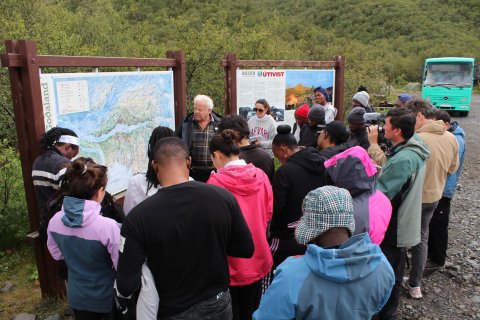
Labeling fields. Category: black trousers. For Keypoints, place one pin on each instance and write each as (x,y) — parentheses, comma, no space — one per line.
(438,237)
(397,258)
(88,315)
(245,300)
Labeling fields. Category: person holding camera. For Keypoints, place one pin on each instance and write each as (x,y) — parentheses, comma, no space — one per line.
(401,181)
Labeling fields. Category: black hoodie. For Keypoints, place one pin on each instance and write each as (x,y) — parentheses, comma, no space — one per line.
(303,172)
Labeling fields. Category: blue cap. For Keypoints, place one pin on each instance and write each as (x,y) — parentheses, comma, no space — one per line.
(405,97)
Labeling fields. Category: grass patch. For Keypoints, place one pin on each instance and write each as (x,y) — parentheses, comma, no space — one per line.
(18,267)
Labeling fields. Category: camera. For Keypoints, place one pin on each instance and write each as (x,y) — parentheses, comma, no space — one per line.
(252,140)
(375,118)
(378,119)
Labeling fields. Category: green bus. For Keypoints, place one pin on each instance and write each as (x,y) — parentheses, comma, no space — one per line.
(448,83)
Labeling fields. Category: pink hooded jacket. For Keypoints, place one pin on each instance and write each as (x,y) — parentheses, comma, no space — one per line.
(253,192)
(355,171)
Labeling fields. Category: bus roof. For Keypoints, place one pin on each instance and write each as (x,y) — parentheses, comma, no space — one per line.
(450,59)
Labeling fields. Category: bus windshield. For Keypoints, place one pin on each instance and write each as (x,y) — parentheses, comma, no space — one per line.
(457,74)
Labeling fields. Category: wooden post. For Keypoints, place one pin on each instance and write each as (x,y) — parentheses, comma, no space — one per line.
(339,86)
(179,85)
(28,110)
(24,65)
(230,84)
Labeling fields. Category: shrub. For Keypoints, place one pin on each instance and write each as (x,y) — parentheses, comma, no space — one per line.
(13,208)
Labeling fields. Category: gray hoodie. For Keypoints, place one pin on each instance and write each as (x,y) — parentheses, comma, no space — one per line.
(263,129)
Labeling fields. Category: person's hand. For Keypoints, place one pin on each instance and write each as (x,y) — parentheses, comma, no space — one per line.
(372,132)
(257,143)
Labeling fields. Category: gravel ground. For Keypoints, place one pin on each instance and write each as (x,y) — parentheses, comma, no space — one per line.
(454,293)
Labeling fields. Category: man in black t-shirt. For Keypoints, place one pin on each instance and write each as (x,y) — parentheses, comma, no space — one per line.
(185,233)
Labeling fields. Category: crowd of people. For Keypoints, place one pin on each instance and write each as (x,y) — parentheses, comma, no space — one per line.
(212,231)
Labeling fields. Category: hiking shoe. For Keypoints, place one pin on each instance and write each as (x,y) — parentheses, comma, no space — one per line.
(414,292)
(433,266)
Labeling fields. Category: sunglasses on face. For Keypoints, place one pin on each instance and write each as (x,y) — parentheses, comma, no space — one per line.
(258,110)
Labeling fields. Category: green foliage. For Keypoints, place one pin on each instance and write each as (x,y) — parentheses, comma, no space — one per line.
(13,210)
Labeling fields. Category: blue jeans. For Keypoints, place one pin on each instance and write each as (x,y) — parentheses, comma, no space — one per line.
(218,307)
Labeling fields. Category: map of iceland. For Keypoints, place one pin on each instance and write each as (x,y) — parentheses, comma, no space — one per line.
(113,115)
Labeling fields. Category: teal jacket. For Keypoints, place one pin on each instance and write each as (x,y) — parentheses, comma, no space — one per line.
(401,181)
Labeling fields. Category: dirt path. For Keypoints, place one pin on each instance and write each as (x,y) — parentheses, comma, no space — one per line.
(454,293)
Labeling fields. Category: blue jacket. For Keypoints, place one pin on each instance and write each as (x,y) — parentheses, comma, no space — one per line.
(452,180)
(351,282)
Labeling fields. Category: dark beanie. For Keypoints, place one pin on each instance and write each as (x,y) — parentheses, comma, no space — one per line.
(317,114)
(322,91)
(356,115)
(338,130)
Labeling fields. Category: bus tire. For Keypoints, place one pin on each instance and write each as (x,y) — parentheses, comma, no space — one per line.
(463,113)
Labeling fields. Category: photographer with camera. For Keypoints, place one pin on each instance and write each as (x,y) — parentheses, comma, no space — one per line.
(401,181)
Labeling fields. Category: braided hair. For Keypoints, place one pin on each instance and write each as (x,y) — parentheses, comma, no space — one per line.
(157,134)
(50,138)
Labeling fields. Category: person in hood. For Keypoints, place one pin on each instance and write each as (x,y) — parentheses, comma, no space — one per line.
(443,160)
(340,276)
(438,235)
(355,171)
(401,181)
(302,170)
(196,130)
(88,242)
(263,127)
(253,191)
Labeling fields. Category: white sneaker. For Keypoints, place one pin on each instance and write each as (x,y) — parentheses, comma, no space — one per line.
(415,292)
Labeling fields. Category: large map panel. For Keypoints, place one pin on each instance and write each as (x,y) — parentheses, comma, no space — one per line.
(113,115)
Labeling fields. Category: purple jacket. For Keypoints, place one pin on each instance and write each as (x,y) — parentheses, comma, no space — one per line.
(89,244)
(355,171)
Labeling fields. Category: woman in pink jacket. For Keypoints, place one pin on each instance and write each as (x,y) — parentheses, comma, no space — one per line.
(355,171)
(253,192)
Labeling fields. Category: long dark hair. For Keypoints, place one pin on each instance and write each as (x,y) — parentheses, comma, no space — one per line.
(157,134)
(50,138)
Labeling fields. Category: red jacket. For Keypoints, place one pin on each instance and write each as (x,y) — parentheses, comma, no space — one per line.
(253,192)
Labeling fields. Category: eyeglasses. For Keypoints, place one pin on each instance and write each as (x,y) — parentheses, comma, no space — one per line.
(258,110)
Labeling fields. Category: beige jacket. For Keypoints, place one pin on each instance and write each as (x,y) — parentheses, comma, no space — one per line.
(443,159)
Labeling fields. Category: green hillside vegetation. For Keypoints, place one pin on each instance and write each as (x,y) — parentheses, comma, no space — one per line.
(384,42)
